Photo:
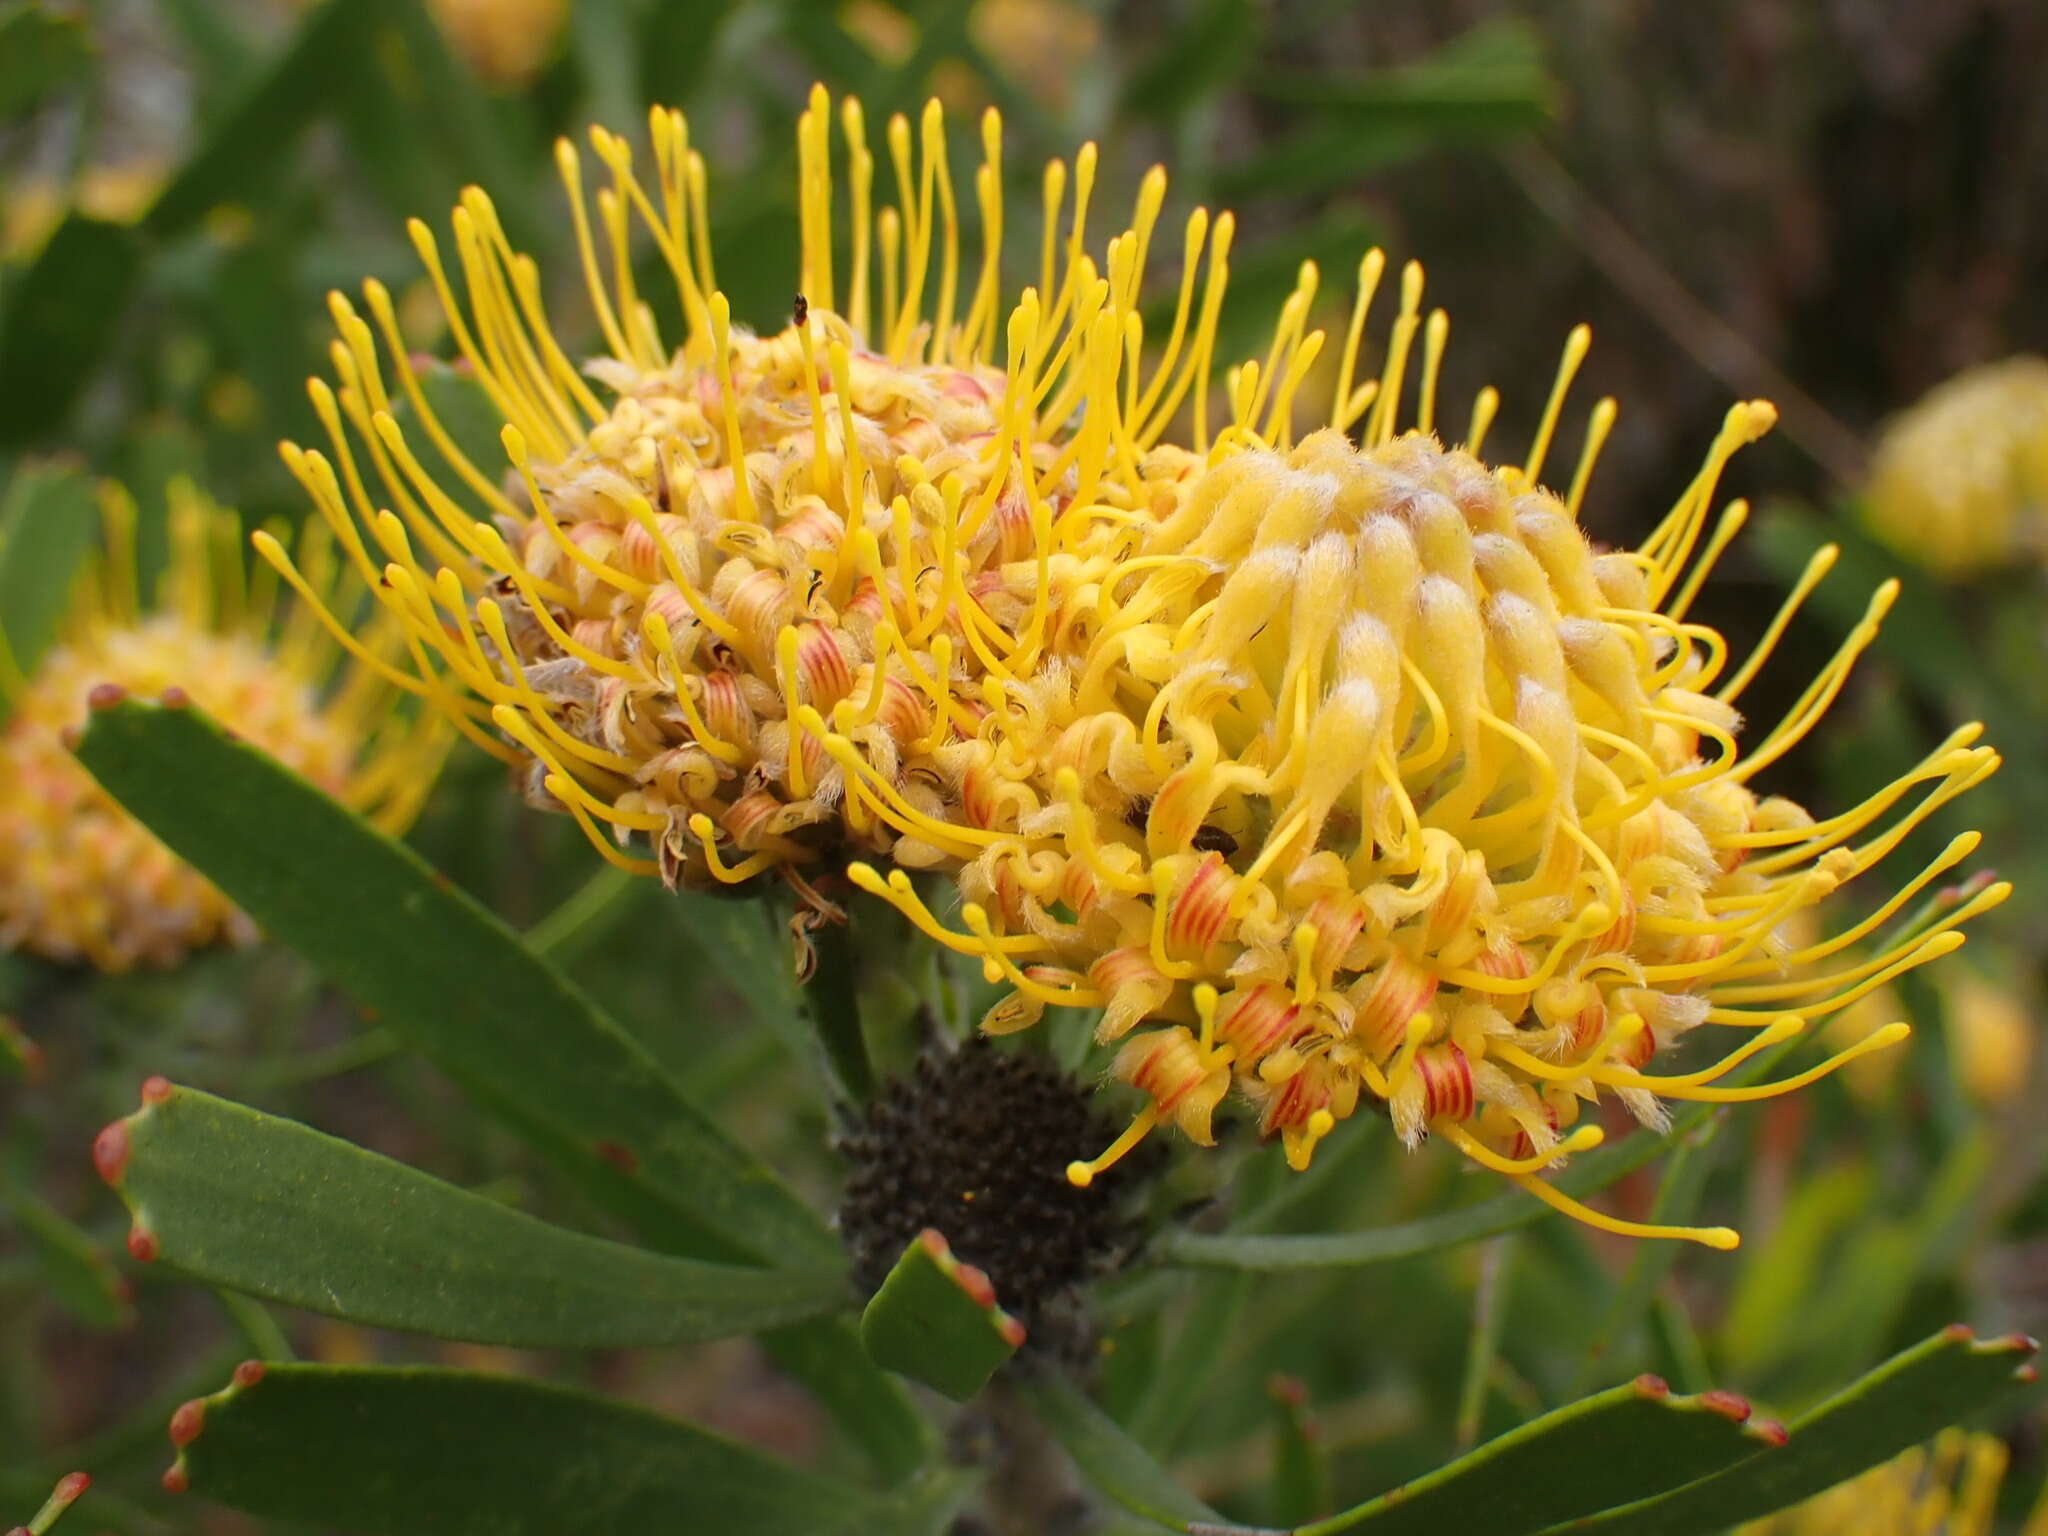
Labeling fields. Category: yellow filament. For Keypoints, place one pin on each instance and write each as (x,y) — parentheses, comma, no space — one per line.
(1558,1200)
(1082,1174)
(1584,1139)
(1685,1088)
(702,829)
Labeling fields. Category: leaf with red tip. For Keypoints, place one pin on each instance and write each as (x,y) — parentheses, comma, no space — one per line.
(275,1209)
(454,983)
(1616,1445)
(62,1497)
(936,1320)
(428,1452)
(1908,1399)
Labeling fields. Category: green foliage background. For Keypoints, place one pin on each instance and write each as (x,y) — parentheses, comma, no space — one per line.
(182,182)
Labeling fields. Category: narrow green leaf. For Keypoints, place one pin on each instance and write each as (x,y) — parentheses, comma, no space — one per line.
(442,973)
(1188,1364)
(1211,47)
(452,981)
(76,1271)
(42,51)
(1301,1462)
(421,1452)
(280,1211)
(1906,1400)
(62,1497)
(249,144)
(1574,1461)
(47,527)
(936,1320)
(59,320)
(1112,1462)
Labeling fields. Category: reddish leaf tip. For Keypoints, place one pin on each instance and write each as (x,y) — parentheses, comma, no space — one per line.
(620,1157)
(19,1530)
(174,697)
(187,1422)
(1288,1391)
(1730,1405)
(1652,1386)
(141,1244)
(155,1090)
(175,1480)
(2025,1342)
(110,1151)
(1958,1333)
(2027,1375)
(105,696)
(1770,1431)
(70,736)
(1012,1332)
(976,1284)
(933,1241)
(71,1485)
(248,1373)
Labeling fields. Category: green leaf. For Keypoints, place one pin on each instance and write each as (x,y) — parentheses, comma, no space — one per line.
(248,146)
(1574,1461)
(48,525)
(1112,1462)
(62,1497)
(59,320)
(1214,45)
(41,53)
(421,1452)
(1487,85)
(936,1321)
(280,1211)
(1301,1461)
(1901,1403)
(443,974)
(456,984)
(75,1270)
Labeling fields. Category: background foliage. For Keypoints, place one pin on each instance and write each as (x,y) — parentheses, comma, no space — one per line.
(1831,208)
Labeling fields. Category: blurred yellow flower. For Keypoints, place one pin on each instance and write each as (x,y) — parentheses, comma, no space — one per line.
(1947,1489)
(1990,1036)
(1959,482)
(1347,766)
(80,880)
(119,194)
(507,42)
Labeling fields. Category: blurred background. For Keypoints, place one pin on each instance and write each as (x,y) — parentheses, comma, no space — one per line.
(1835,206)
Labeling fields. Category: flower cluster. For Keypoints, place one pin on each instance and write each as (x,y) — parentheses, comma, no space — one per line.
(1332,772)
(82,880)
(1959,483)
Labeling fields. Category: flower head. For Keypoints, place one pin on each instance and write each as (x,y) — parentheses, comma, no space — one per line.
(1959,483)
(82,880)
(1333,772)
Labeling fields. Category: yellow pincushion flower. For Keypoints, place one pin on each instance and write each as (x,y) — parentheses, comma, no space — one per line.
(1959,483)
(80,880)
(1331,772)
(1947,1489)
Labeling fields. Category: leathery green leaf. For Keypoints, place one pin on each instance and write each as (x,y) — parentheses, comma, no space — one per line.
(47,527)
(59,322)
(1619,1444)
(428,1452)
(458,986)
(1110,1461)
(936,1320)
(1906,1400)
(438,971)
(281,1211)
